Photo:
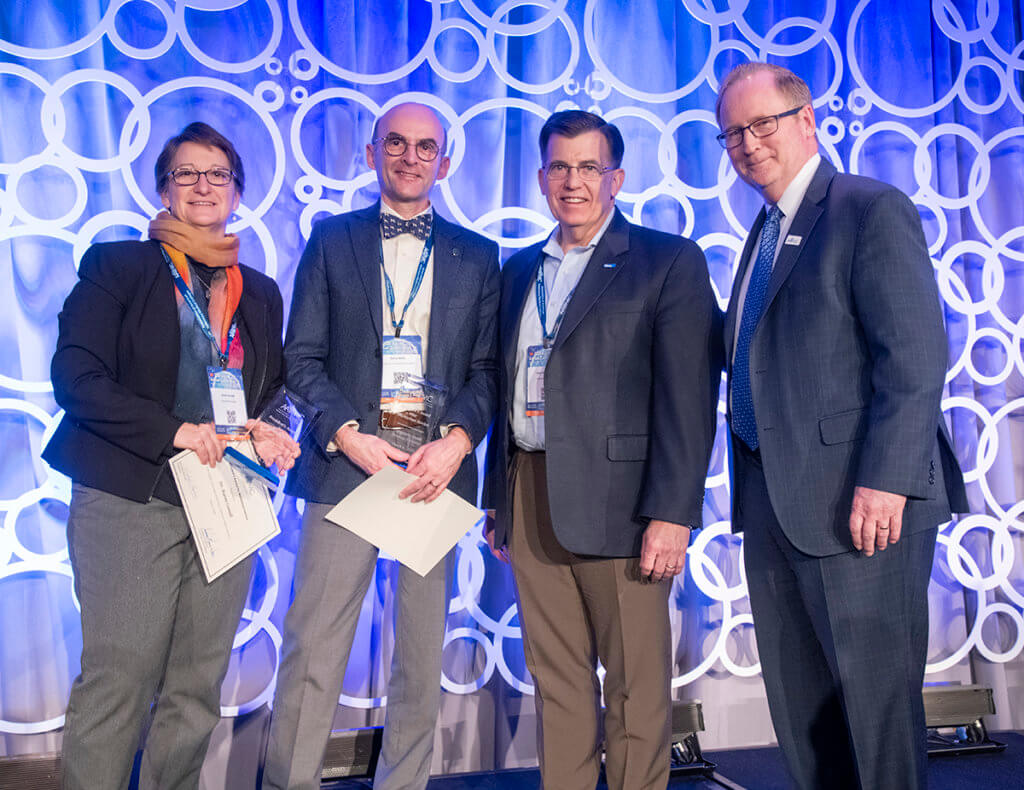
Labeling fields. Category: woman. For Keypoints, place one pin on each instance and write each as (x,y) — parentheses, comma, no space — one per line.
(131,373)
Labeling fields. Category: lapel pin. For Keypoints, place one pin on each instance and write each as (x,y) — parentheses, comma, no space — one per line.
(793,241)
(610,265)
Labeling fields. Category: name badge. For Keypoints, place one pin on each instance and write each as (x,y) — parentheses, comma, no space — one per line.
(536,361)
(403,363)
(227,395)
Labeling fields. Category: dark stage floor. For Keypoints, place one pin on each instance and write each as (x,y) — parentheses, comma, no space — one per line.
(762,769)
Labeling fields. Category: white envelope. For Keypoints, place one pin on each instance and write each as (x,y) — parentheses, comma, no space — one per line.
(416,534)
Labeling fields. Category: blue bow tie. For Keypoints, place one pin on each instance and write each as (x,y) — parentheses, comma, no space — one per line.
(393,225)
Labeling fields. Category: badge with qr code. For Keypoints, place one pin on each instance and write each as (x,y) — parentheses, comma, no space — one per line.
(227,394)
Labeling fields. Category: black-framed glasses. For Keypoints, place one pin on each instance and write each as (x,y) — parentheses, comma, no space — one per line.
(188,176)
(559,171)
(762,127)
(396,145)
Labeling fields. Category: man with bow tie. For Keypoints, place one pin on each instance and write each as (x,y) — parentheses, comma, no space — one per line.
(381,294)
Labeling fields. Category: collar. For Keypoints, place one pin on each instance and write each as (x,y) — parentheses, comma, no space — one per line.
(386,209)
(553,249)
(797,189)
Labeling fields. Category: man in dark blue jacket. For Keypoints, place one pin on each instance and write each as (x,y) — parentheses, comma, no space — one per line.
(841,462)
(392,278)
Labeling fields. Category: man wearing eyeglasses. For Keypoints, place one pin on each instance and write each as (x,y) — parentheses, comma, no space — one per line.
(381,294)
(605,426)
(841,462)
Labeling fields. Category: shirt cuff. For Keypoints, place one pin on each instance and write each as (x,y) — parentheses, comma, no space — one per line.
(447,427)
(331,446)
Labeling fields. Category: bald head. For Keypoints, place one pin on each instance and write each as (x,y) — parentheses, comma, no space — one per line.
(412,109)
(407,153)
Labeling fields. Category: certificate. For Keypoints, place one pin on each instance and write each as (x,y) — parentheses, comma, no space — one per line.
(230,515)
(417,534)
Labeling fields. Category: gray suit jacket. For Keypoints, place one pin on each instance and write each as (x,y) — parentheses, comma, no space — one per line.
(333,342)
(630,391)
(847,368)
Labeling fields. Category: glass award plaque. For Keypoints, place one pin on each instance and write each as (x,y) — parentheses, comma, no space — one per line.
(416,413)
(286,412)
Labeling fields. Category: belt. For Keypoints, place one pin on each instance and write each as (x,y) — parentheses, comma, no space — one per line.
(402,419)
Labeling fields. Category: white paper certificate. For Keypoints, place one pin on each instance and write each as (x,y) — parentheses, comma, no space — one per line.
(416,534)
(230,515)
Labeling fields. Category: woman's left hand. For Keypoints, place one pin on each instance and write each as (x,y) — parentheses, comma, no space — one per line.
(273,445)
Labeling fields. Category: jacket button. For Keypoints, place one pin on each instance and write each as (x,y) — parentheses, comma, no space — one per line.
(371,406)
(376,353)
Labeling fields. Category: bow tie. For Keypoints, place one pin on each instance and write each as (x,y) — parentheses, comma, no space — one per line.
(418,226)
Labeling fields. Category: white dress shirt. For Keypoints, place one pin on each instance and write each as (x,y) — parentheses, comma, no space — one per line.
(562,272)
(401,258)
(788,204)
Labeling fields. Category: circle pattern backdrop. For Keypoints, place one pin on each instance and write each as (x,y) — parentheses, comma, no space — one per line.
(89,96)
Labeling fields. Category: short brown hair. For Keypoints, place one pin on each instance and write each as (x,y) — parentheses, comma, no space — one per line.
(201,134)
(787,83)
(573,123)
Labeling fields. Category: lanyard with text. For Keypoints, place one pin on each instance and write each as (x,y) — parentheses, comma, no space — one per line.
(201,319)
(389,290)
(542,308)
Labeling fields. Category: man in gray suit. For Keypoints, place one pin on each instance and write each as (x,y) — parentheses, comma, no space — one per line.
(375,289)
(842,465)
(610,376)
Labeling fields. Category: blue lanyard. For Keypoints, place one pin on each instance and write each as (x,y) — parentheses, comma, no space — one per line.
(542,308)
(389,290)
(201,319)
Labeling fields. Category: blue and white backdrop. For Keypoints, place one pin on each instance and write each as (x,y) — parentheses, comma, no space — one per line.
(926,95)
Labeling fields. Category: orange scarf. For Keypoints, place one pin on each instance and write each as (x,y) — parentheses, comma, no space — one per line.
(180,239)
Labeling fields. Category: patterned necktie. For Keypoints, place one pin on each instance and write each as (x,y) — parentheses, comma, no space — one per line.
(743,422)
(393,225)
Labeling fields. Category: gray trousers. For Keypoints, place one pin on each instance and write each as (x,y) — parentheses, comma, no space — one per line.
(150,623)
(333,570)
(843,642)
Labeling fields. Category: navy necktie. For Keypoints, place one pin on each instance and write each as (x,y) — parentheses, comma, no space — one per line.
(743,423)
(393,225)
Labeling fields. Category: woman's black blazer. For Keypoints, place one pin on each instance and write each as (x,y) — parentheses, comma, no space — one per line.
(116,365)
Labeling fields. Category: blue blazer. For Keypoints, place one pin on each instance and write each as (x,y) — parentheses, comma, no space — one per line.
(334,337)
(848,363)
(631,389)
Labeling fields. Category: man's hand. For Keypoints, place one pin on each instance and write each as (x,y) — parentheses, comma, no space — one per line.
(201,439)
(370,453)
(876,519)
(435,464)
(273,445)
(500,553)
(664,550)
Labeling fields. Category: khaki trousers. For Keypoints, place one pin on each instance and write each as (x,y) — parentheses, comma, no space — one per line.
(573,611)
